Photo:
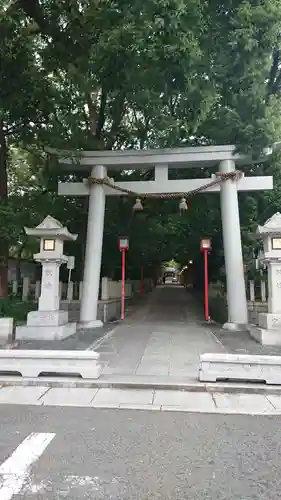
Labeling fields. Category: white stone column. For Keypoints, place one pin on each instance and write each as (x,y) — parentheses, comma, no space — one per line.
(104,288)
(93,255)
(80,290)
(263,291)
(15,287)
(252,290)
(37,289)
(25,288)
(236,292)
(70,289)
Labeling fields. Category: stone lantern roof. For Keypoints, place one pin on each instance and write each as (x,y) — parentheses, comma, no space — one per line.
(271,226)
(51,228)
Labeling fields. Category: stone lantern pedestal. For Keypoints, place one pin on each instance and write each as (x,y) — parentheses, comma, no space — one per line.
(49,323)
(268,331)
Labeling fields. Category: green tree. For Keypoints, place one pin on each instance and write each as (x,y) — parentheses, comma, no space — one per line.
(143,74)
(26,98)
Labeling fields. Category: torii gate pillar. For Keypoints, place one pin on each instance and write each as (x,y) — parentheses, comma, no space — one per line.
(93,254)
(235,281)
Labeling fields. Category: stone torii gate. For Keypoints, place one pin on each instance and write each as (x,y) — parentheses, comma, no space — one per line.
(97,162)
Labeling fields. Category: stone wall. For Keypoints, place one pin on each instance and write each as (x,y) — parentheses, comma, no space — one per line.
(111,290)
(218,310)
(71,291)
(108,310)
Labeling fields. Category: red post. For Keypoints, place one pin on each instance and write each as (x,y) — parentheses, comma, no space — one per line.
(123,242)
(205,247)
(123,285)
(206,286)
(142,283)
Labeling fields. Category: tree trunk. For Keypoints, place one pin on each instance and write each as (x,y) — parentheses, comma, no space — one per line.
(4,245)
(18,263)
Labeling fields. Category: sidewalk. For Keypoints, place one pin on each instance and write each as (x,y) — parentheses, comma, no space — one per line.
(163,338)
(143,399)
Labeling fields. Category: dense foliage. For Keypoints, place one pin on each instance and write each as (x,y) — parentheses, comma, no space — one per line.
(104,74)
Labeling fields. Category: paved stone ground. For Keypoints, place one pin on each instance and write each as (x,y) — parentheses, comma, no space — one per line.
(163,338)
(127,455)
(160,340)
(243,343)
(143,399)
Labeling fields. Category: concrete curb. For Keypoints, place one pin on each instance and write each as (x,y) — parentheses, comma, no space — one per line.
(67,382)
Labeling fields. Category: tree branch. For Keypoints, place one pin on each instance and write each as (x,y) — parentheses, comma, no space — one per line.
(3,165)
(92,106)
(33,10)
(101,117)
(86,118)
(277,84)
(274,80)
(13,129)
(119,106)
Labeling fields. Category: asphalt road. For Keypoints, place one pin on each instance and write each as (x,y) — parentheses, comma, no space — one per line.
(94,454)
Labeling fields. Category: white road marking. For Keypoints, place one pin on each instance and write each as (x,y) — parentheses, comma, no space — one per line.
(98,342)
(63,485)
(14,472)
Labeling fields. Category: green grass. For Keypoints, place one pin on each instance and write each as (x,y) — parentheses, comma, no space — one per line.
(14,308)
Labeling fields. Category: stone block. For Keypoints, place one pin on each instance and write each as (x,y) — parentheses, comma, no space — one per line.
(32,363)
(6,329)
(241,367)
(270,321)
(265,336)
(47,318)
(59,332)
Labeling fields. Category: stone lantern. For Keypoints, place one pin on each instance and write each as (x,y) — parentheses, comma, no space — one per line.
(49,323)
(269,330)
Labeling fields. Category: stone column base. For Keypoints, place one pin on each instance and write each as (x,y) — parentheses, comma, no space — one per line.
(235,327)
(90,324)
